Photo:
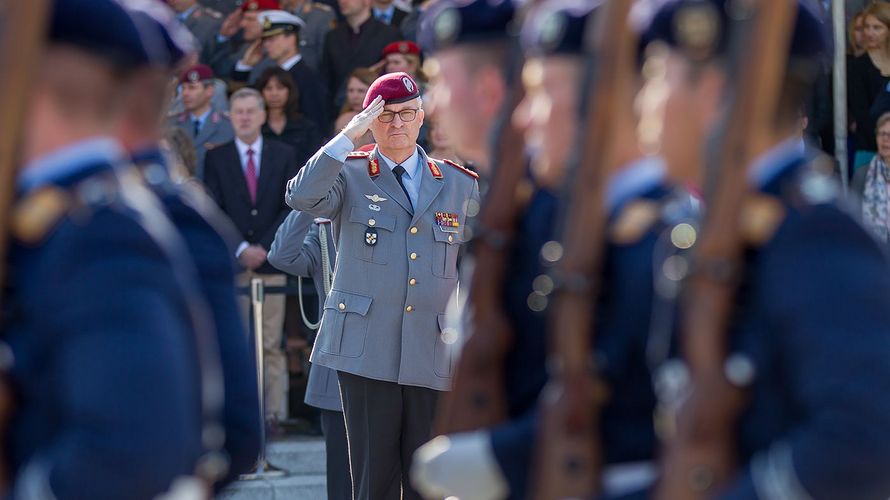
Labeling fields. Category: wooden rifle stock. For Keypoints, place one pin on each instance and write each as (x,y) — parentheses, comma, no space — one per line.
(22,28)
(478,398)
(568,457)
(700,458)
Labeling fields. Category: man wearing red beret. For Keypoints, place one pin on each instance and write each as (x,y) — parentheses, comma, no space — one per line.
(205,126)
(400,219)
(403,56)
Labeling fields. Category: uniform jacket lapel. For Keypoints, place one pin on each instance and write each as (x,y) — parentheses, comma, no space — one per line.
(386,181)
(236,173)
(207,130)
(430,187)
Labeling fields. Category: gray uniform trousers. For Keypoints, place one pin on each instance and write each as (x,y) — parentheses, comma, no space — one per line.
(382,328)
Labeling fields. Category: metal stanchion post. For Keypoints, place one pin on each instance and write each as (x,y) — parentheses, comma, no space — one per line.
(263,469)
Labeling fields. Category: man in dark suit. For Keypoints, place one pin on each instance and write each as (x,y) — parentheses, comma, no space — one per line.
(281,43)
(246,178)
(355,43)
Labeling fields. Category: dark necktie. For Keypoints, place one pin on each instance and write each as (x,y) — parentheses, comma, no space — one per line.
(197,127)
(399,171)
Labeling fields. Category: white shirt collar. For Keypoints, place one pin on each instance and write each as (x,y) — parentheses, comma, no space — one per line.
(769,164)
(634,179)
(290,63)
(69,159)
(410,165)
(257,145)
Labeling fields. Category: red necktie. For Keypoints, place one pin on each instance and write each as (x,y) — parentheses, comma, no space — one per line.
(250,176)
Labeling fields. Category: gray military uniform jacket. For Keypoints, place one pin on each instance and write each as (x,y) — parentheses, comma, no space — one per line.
(297,251)
(396,266)
(319,19)
(217,130)
(204,24)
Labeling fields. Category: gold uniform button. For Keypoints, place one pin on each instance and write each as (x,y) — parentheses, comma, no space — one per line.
(372,222)
(409,308)
(413,256)
(412,282)
(342,306)
(414,230)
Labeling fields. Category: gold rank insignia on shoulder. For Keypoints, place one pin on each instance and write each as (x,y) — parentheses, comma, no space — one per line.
(374,167)
(761,216)
(38,213)
(634,220)
(434,169)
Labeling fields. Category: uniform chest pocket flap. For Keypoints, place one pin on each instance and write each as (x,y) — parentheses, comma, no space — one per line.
(374,234)
(445,250)
(345,324)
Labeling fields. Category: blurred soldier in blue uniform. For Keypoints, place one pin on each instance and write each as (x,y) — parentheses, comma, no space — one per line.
(812,329)
(208,234)
(304,246)
(497,462)
(100,323)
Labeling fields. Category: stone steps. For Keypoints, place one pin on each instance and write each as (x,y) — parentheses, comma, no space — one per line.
(302,458)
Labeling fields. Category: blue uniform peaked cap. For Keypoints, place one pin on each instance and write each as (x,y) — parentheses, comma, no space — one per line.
(100,27)
(453,22)
(700,28)
(166,40)
(559,26)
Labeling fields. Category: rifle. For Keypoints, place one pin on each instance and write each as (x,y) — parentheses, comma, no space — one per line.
(700,458)
(22,29)
(568,455)
(478,397)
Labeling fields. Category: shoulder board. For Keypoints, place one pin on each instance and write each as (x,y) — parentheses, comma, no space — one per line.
(434,169)
(320,6)
(322,220)
(635,219)
(760,217)
(463,169)
(358,154)
(38,213)
(213,13)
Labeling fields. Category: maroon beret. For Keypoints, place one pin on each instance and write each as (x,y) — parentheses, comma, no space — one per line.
(394,88)
(196,73)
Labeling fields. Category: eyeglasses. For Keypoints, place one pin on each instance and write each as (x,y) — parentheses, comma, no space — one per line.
(407,115)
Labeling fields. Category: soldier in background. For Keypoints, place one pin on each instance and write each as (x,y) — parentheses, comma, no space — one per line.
(319,18)
(201,21)
(304,246)
(98,320)
(206,127)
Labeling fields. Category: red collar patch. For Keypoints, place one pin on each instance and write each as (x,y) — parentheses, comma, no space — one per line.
(434,169)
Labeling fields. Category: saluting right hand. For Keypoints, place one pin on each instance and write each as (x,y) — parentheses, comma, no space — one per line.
(231,24)
(361,122)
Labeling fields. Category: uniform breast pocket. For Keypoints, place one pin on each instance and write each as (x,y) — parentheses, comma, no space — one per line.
(345,324)
(375,230)
(445,249)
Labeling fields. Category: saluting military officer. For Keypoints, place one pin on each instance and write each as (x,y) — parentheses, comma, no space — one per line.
(497,462)
(399,221)
(812,318)
(99,324)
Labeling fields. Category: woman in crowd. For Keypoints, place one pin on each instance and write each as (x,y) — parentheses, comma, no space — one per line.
(856,37)
(181,152)
(872,184)
(284,122)
(868,76)
(356,88)
(404,56)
